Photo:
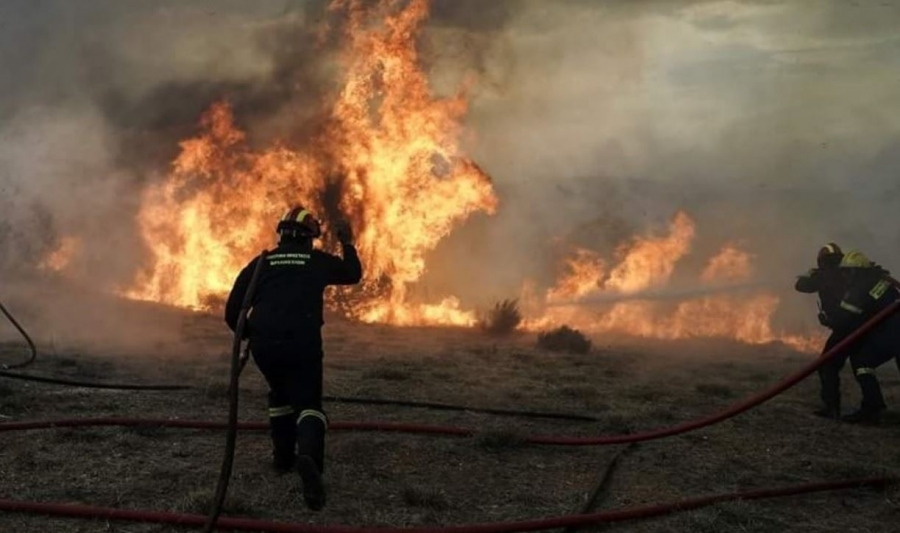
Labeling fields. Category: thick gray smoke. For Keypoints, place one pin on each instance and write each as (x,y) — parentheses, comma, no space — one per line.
(774,125)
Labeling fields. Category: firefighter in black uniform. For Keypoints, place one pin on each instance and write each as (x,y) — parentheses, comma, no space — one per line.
(867,289)
(285,338)
(827,282)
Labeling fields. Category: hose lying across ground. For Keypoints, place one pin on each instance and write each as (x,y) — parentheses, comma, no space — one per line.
(434,406)
(730,412)
(245,524)
(25,335)
(212,521)
(91,384)
(4,373)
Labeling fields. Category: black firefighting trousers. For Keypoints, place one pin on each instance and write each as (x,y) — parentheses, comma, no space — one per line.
(867,354)
(293,370)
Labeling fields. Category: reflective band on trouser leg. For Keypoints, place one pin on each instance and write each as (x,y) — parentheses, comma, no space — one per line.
(306,413)
(284,410)
(865,371)
(852,308)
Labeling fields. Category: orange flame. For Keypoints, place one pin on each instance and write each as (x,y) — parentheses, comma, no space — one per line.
(648,263)
(62,255)
(586,271)
(391,148)
(731,264)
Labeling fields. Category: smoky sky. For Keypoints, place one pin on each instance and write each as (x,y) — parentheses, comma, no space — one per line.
(775,125)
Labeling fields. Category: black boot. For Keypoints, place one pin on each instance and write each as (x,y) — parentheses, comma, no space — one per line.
(311,429)
(829,377)
(284,440)
(872,403)
(864,415)
(831,412)
(313,485)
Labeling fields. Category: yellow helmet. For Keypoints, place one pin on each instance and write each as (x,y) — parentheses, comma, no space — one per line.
(855,260)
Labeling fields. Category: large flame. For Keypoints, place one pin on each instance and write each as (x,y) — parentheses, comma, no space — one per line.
(648,263)
(388,159)
(390,148)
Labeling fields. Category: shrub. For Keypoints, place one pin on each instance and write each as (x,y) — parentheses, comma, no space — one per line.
(564,339)
(503,318)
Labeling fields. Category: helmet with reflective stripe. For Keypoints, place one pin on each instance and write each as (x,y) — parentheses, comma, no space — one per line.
(298,222)
(830,255)
(855,260)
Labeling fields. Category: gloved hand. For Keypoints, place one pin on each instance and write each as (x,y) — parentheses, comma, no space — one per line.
(344,233)
(823,319)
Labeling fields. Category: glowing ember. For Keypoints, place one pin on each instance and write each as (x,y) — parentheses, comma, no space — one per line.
(390,148)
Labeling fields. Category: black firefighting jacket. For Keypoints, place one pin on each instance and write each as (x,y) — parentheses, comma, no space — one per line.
(288,300)
(830,286)
(869,290)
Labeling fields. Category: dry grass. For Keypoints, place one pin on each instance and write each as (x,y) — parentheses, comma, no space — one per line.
(198,502)
(499,441)
(403,480)
(717,390)
(426,498)
(387,373)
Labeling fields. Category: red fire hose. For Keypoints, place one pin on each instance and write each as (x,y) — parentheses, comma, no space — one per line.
(732,411)
(566,521)
(244,524)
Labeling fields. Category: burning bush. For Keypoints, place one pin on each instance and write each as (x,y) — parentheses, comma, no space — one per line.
(503,318)
(564,339)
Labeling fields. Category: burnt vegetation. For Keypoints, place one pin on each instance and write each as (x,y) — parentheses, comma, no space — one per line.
(502,319)
(564,339)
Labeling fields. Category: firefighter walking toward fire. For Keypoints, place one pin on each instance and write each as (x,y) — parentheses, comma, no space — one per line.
(851,290)
(284,329)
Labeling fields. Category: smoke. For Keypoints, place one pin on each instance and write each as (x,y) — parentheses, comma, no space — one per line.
(96,96)
(774,125)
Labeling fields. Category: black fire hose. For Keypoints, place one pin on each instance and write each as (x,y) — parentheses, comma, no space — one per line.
(91,384)
(25,335)
(4,369)
(231,433)
(434,406)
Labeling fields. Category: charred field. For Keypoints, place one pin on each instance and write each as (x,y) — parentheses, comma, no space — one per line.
(380,479)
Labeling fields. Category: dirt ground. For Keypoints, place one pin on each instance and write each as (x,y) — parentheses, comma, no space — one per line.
(378,479)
